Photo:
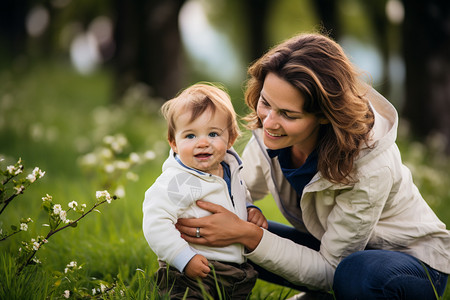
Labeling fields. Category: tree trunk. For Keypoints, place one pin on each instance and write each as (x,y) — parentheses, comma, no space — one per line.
(426,47)
(13,35)
(327,12)
(148,46)
(257,11)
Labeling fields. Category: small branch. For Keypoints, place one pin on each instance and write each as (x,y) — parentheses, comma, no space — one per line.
(33,253)
(75,221)
(9,235)
(6,202)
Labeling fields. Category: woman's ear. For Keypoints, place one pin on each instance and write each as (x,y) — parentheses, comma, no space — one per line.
(323,121)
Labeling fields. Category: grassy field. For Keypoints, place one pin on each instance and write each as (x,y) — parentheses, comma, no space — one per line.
(56,120)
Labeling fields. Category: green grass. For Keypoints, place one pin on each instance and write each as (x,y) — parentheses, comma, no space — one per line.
(50,116)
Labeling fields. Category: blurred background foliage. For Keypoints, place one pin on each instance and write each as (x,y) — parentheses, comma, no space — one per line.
(73,72)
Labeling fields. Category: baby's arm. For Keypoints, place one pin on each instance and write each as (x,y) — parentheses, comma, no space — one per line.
(197,267)
(255,216)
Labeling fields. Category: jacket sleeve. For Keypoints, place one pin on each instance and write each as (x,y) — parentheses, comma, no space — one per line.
(298,264)
(160,216)
(348,228)
(253,172)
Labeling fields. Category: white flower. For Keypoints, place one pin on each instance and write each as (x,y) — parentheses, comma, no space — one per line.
(23,226)
(36,246)
(57,209)
(31,178)
(120,191)
(106,153)
(109,168)
(93,291)
(47,198)
(103,195)
(132,176)
(63,215)
(134,157)
(121,165)
(66,294)
(38,173)
(73,204)
(89,159)
(19,190)
(10,169)
(37,261)
(108,139)
(72,264)
(149,155)
(102,287)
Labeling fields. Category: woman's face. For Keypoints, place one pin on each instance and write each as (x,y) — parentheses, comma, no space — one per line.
(285,124)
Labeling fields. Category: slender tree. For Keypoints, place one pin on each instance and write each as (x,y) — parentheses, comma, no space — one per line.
(148,45)
(426,50)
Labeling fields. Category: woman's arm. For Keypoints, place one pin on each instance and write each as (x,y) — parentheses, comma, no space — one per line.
(222,228)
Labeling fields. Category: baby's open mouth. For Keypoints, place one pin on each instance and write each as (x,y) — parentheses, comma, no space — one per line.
(202,155)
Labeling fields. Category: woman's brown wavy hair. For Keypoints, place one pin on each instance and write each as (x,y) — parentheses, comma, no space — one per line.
(318,67)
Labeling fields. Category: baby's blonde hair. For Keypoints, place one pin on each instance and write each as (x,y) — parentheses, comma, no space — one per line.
(198,98)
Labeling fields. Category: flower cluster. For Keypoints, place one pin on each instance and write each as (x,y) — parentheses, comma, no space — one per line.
(33,245)
(12,184)
(36,174)
(72,266)
(14,170)
(113,163)
(103,196)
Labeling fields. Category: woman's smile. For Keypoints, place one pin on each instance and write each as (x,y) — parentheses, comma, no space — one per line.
(285,123)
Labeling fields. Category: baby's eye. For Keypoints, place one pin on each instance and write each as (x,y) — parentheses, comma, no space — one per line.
(213,134)
(190,136)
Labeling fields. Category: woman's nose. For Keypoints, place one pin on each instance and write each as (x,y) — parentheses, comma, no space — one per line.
(270,119)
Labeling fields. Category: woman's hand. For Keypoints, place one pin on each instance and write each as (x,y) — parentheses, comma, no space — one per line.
(220,229)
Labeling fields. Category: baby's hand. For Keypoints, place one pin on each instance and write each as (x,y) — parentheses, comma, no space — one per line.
(255,216)
(197,267)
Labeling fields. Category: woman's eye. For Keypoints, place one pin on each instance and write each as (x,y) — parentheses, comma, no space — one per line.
(285,115)
(190,136)
(263,102)
(213,134)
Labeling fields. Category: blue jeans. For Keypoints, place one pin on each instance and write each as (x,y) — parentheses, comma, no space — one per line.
(368,274)
(383,274)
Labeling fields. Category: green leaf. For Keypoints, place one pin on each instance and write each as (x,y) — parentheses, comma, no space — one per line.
(46,205)
(53,223)
(14,227)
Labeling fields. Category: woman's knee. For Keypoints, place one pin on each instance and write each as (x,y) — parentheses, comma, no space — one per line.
(381,274)
(350,277)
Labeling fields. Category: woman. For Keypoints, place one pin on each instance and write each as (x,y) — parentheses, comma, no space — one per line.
(324,146)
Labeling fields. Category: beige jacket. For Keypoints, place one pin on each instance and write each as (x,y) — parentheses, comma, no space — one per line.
(383,210)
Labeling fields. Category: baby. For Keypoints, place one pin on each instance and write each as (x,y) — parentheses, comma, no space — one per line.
(202,165)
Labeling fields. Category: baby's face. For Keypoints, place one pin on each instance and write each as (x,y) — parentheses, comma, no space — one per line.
(202,143)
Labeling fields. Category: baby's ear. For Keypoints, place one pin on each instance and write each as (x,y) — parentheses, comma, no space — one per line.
(231,141)
(173,145)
